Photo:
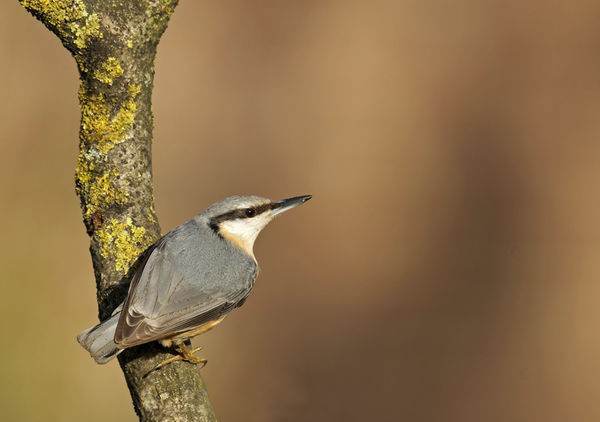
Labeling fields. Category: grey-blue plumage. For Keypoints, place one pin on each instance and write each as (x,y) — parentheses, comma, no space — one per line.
(195,274)
(190,278)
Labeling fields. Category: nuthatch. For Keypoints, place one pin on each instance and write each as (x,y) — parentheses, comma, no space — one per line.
(189,280)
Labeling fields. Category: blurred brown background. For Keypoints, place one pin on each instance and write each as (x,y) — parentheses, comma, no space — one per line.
(447,268)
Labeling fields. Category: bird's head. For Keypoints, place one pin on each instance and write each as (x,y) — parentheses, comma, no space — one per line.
(239,219)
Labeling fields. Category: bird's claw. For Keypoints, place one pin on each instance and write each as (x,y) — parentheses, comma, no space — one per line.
(183,354)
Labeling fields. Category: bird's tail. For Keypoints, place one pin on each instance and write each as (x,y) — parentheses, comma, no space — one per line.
(99,340)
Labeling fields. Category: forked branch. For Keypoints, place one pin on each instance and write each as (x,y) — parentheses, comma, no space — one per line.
(114,45)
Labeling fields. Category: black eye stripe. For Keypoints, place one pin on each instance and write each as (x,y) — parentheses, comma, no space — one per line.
(239,213)
(262,208)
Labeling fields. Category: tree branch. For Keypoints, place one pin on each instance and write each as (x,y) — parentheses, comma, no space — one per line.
(114,44)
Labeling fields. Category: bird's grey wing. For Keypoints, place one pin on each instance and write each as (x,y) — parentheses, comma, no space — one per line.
(162,301)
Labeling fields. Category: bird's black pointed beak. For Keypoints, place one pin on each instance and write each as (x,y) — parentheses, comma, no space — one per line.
(287,204)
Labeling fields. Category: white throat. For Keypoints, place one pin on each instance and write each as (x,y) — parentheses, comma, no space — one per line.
(243,232)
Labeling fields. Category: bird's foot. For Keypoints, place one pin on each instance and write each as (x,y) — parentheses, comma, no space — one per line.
(189,356)
(184,354)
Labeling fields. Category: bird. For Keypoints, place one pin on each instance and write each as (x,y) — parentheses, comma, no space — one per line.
(189,280)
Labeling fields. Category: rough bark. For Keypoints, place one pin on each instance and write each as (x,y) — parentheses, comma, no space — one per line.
(114,45)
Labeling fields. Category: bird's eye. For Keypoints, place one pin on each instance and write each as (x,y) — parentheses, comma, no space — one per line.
(250,212)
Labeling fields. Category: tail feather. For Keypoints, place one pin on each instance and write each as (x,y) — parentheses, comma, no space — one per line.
(99,340)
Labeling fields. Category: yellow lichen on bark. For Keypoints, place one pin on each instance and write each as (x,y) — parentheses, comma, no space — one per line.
(104,124)
(69,18)
(83,32)
(122,241)
(103,193)
(100,126)
(109,71)
(99,191)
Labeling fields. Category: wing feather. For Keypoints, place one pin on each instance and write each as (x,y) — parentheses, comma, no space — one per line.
(163,301)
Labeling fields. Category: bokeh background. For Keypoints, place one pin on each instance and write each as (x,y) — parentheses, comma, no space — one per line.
(447,268)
